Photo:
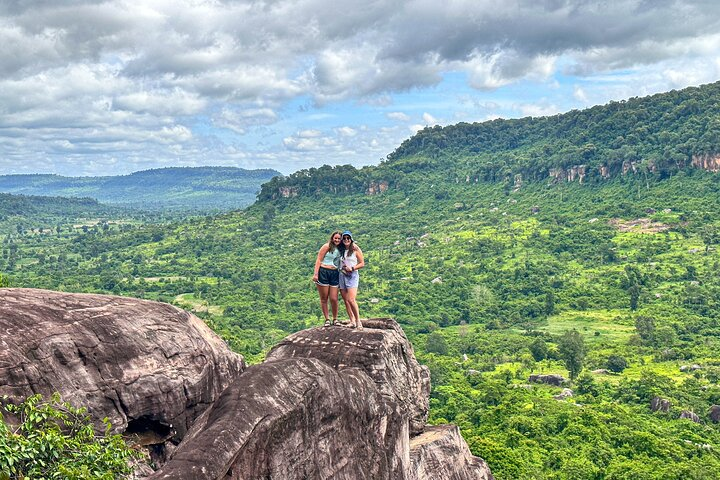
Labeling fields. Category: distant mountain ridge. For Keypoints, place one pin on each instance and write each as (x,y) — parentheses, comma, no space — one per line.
(658,135)
(174,188)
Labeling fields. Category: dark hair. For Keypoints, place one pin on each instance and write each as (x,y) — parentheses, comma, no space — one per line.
(331,245)
(350,248)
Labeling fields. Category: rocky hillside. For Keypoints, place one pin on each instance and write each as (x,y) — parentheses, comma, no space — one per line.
(327,403)
(656,136)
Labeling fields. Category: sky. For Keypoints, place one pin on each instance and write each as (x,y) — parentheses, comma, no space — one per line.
(114,87)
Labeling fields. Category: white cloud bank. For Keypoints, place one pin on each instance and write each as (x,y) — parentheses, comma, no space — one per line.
(89,87)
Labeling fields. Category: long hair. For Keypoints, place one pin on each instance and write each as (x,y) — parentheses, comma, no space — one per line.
(345,252)
(331,245)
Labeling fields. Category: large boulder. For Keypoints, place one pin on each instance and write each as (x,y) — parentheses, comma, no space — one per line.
(295,419)
(381,350)
(440,452)
(715,413)
(692,416)
(659,404)
(328,403)
(149,367)
(551,379)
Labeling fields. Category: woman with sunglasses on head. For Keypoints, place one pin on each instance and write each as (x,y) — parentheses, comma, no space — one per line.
(326,276)
(351,261)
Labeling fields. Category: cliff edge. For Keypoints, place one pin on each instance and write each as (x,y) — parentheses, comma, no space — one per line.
(328,402)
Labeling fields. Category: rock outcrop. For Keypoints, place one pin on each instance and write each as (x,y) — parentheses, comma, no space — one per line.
(149,367)
(551,379)
(714,413)
(377,187)
(382,351)
(658,404)
(708,162)
(327,403)
(687,414)
(441,453)
(295,419)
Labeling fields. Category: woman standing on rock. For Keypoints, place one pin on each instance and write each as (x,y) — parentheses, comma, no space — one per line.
(326,276)
(351,261)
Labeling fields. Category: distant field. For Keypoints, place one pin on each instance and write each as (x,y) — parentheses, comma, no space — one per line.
(595,326)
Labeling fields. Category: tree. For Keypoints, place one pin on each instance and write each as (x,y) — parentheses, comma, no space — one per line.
(710,236)
(538,349)
(53,439)
(645,328)
(436,344)
(572,352)
(634,293)
(549,303)
(616,363)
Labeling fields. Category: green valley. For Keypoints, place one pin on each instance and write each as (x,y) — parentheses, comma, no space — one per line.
(504,249)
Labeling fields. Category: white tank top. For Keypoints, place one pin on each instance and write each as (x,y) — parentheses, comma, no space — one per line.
(349,261)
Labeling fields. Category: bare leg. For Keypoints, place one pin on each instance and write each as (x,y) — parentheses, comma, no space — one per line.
(348,307)
(352,293)
(352,306)
(324,292)
(333,297)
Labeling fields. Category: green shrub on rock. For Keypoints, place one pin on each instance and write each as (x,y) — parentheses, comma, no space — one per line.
(54,440)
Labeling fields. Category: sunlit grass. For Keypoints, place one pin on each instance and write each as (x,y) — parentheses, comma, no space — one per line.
(595,325)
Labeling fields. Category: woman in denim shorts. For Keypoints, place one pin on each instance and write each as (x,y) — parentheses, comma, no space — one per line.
(351,260)
(326,276)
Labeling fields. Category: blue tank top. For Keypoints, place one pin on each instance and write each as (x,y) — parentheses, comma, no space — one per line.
(331,258)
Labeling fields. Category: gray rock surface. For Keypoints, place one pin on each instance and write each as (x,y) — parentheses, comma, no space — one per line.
(658,404)
(687,414)
(440,452)
(328,403)
(552,379)
(149,367)
(715,413)
(565,394)
(294,419)
(382,351)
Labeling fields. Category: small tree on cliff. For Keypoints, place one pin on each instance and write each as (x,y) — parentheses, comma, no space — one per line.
(572,351)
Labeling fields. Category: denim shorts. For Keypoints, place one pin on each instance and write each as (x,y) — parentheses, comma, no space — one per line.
(349,281)
(328,277)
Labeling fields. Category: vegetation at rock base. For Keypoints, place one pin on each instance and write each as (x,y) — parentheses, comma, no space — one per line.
(486,276)
(54,440)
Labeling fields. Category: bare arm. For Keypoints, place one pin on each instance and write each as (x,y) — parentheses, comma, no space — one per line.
(360,258)
(321,254)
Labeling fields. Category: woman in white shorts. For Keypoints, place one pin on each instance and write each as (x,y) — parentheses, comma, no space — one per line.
(351,260)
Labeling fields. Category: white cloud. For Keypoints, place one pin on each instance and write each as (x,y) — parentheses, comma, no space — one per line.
(116,82)
(240,120)
(579,94)
(399,116)
(346,131)
(429,119)
(309,140)
(540,109)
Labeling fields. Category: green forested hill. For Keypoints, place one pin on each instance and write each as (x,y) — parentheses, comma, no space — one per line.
(614,282)
(652,136)
(187,189)
(22,213)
